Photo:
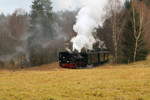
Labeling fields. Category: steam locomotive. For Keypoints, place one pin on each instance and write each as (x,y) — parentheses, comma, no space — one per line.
(76,60)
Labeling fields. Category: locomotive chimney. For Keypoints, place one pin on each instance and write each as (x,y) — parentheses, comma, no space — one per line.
(68,47)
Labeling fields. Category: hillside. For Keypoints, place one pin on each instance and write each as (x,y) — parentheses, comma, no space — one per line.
(120,82)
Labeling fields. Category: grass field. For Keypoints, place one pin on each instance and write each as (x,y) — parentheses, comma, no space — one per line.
(120,82)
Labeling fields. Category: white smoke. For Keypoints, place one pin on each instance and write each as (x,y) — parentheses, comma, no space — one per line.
(91,16)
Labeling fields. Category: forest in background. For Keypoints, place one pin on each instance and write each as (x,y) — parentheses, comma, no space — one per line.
(35,38)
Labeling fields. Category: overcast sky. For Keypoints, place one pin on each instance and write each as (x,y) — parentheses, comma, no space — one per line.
(9,6)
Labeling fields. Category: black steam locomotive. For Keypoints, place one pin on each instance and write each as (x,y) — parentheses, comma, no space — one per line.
(84,59)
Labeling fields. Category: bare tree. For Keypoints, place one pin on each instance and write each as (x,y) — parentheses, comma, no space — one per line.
(137,32)
(17,23)
(117,25)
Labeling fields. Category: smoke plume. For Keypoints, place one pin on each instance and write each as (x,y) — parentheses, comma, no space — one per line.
(91,16)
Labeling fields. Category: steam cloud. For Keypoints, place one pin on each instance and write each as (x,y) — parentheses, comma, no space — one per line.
(90,17)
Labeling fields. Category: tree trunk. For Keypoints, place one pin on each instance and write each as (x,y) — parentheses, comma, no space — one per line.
(137,34)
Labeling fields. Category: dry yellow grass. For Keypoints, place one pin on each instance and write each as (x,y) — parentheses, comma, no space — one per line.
(120,82)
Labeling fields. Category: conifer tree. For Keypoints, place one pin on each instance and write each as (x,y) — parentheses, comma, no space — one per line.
(41,31)
(41,18)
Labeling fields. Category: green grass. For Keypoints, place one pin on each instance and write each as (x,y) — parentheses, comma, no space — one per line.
(120,82)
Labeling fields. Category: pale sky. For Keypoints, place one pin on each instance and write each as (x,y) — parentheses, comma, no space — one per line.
(9,6)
